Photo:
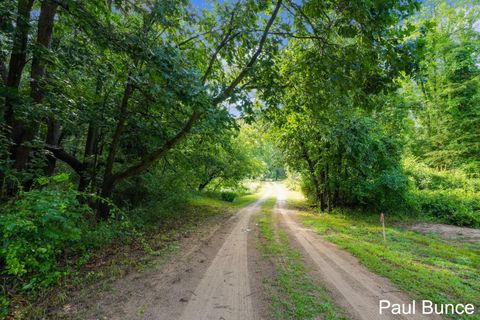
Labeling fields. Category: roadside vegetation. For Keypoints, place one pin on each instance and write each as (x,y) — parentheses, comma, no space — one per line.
(293,293)
(425,266)
(105,252)
(117,116)
(445,196)
(404,141)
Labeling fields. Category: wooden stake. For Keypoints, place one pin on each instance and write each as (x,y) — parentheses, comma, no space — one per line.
(382,219)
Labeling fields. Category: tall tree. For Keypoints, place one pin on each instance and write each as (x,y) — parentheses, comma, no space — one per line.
(18,57)
(446,89)
(25,130)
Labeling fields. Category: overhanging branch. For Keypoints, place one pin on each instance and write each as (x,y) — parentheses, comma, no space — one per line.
(229,90)
(151,158)
(61,154)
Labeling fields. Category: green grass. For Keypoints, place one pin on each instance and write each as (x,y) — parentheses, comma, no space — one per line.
(213,201)
(425,266)
(161,231)
(293,293)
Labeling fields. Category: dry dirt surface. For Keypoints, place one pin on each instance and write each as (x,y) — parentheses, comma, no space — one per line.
(215,276)
(224,291)
(351,285)
(207,279)
(449,232)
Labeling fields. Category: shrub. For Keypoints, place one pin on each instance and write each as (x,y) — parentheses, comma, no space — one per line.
(38,226)
(425,177)
(228,196)
(386,191)
(170,187)
(450,196)
(4,303)
(456,207)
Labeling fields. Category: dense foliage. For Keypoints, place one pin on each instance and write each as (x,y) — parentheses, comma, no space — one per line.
(125,104)
(325,115)
(349,162)
(449,196)
(353,111)
(37,227)
(118,86)
(444,93)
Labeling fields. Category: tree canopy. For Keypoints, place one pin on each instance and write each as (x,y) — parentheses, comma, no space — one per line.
(108,106)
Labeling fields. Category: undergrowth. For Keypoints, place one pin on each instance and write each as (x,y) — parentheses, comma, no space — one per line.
(425,266)
(53,246)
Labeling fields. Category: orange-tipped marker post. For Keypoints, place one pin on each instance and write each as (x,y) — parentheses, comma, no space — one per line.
(382,220)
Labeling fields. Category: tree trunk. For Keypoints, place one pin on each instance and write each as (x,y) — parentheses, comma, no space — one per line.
(206,182)
(24,133)
(53,139)
(102,206)
(91,146)
(328,190)
(3,73)
(313,176)
(90,151)
(108,179)
(117,134)
(12,77)
(321,188)
(17,58)
(202,185)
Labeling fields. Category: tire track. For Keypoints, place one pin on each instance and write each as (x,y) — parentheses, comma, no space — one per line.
(352,286)
(224,290)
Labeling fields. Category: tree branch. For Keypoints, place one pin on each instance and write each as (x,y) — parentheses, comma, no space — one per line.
(309,21)
(61,154)
(229,90)
(195,36)
(151,158)
(228,36)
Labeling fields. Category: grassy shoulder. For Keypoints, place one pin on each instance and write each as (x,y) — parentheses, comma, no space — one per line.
(147,247)
(214,202)
(425,266)
(293,294)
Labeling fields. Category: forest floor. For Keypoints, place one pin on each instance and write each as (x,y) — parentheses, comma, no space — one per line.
(261,263)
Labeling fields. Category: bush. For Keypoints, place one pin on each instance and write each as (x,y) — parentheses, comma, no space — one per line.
(425,177)
(170,187)
(387,190)
(352,162)
(293,181)
(456,207)
(38,226)
(228,196)
(4,303)
(450,196)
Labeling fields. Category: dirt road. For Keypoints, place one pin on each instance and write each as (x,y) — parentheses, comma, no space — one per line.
(208,278)
(215,276)
(351,285)
(224,291)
